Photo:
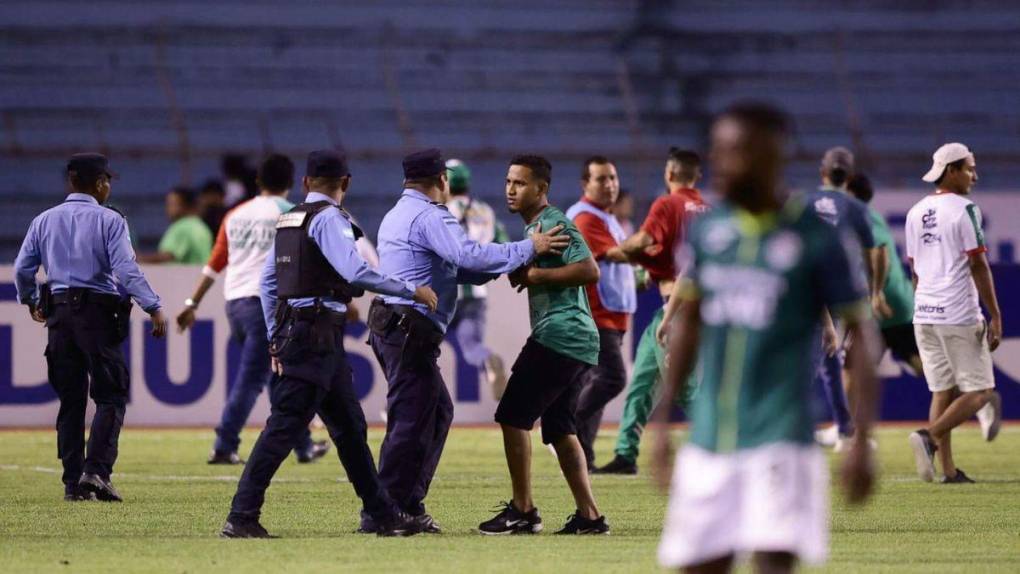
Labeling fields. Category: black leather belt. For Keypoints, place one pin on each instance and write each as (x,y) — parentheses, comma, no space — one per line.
(75,295)
(312,313)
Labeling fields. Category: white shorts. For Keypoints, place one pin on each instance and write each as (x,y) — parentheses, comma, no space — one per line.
(773,498)
(955,356)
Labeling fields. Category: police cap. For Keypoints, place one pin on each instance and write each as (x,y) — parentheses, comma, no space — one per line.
(89,165)
(422,164)
(327,163)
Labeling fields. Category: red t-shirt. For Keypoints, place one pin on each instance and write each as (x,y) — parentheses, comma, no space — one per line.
(667,225)
(596,235)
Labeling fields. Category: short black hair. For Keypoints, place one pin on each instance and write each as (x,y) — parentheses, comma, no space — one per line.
(687,158)
(539,166)
(760,116)
(427,182)
(838,176)
(276,173)
(594,159)
(186,194)
(860,187)
(958,164)
(83,183)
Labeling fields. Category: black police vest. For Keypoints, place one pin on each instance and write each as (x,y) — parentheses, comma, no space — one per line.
(301,268)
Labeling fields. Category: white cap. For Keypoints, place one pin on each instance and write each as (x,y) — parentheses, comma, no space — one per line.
(944,156)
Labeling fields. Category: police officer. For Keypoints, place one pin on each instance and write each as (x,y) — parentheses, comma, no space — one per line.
(311,274)
(87,253)
(420,241)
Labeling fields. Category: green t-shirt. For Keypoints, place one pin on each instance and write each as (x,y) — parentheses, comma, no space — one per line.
(761,283)
(898,289)
(560,316)
(188,239)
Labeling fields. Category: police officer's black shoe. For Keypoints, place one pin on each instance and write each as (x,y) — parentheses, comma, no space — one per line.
(75,493)
(244,529)
(318,450)
(618,465)
(103,489)
(427,524)
(577,524)
(217,457)
(402,524)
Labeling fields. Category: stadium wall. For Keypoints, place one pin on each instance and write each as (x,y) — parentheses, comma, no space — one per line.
(183,380)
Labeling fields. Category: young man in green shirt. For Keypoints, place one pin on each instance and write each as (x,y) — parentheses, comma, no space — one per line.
(547,377)
(751,480)
(188,239)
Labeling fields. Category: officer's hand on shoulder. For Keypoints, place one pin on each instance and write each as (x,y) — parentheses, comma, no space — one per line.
(159,323)
(550,242)
(426,296)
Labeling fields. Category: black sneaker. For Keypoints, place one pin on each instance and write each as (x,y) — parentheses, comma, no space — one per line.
(402,524)
(318,450)
(244,529)
(216,457)
(512,521)
(577,524)
(75,493)
(427,524)
(103,489)
(368,524)
(618,465)
(924,454)
(959,478)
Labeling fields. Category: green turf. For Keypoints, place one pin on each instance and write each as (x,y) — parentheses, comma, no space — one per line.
(176,504)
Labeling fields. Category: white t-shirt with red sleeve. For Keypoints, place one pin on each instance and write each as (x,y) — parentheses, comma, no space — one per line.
(245,237)
(943,231)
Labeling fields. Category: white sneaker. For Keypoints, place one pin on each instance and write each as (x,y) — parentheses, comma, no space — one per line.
(843,444)
(828,436)
(990,417)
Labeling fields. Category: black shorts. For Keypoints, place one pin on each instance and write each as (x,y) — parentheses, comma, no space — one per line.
(543,384)
(901,341)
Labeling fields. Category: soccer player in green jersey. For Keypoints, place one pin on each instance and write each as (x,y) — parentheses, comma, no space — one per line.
(751,480)
(547,377)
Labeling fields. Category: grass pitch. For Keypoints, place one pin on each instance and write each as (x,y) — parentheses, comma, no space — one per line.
(175,505)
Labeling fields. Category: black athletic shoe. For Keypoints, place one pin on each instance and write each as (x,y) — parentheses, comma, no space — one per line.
(512,521)
(402,524)
(244,529)
(960,478)
(427,524)
(75,493)
(216,457)
(368,525)
(924,454)
(103,489)
(577,524)
(618,465)
(318,450)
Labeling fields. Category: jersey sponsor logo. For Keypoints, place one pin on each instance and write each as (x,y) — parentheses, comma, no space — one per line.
(825,207)
(740,295)
(718,237)
(930,219)
(931,238)
(783,251)
(927,308)
(292,219)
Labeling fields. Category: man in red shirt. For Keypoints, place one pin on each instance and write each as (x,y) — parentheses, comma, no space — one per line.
(612,299)
(657,247)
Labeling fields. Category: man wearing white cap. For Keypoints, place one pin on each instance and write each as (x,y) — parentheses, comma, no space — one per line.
(946,249)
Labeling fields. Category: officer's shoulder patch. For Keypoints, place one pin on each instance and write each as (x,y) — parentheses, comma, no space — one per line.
(291,219)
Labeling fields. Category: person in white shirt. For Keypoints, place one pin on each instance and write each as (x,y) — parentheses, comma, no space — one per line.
(242,245)
(952,279)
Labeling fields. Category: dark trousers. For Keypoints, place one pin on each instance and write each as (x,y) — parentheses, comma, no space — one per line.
(84,358)
(419,413)
(313,381)
(604,383)
(248,327)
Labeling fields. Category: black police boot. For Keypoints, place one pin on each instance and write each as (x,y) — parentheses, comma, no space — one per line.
(75,493)
(103,489)
(216,457)
(244,529)
(318,450)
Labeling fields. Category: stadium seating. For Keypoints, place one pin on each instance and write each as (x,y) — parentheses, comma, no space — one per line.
(167,86)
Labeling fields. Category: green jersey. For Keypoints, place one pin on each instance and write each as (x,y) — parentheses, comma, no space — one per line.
(188,239)
(898,289)
(761,282)
(560,316)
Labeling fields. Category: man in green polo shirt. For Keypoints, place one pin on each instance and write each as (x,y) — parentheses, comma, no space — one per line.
(188,239)
(751,480)
(547,377)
